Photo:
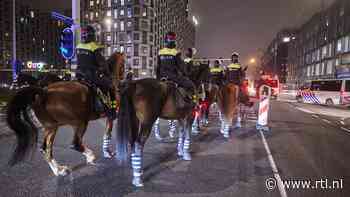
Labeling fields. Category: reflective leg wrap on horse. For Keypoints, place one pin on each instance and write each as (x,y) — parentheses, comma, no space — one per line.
(226,129)
(180,143)
(157,129)
(107,146)
(186,150)
(136,163)
(172,128)
(195,126)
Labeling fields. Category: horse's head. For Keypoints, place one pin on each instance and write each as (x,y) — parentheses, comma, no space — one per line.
(116,64)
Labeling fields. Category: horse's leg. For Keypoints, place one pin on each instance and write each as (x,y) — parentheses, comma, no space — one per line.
(187,140)
(239,118)
(137,154)
(172,128)
(78,143)
(107,138)
(156,128)
(180,142)
(195,125)
(222,123)
(49,137)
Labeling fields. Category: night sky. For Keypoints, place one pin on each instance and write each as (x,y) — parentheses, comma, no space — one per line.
(242,25)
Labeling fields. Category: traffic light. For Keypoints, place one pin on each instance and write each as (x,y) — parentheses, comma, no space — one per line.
(67,43)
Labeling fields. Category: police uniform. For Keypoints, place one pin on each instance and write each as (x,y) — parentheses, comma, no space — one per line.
(234,73)
(169,67)
(91,63)
(216,75)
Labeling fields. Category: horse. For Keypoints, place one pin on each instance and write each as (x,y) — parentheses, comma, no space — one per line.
(201,74)
(228,100)
(24,79)
(58,104)
(141,103)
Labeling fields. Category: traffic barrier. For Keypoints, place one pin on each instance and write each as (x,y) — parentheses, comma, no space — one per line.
(264,106)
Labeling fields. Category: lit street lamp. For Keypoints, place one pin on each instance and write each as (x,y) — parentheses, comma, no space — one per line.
(252,61)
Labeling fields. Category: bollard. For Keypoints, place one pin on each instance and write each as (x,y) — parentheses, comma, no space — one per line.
(264,105)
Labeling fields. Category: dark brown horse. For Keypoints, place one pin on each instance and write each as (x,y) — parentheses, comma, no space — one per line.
(142,102)
(61,103)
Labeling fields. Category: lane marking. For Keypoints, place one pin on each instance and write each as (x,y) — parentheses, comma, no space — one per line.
(276,174)
(345,129)
(327,121)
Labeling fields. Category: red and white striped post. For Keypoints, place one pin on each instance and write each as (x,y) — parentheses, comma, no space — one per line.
(264,106)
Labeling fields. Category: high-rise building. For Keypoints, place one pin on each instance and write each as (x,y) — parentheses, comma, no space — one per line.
(37,35)
(322,46)
(275,59)
(137,28)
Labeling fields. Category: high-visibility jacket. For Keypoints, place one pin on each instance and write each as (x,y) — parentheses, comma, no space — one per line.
(216,70)
(168,63)
(233,66)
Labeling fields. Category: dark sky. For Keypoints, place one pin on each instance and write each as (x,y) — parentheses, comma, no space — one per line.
(241,25)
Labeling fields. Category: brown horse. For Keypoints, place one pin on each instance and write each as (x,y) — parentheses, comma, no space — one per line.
(61,103)
(141,103)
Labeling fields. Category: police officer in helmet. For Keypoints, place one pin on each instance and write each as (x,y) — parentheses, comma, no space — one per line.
(234,70)
(217,73)
(92,64)
(170,63)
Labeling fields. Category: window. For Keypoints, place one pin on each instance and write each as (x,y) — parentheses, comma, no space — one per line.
(129,24)
(136,36)
(330,50)
(346,43)
(96,14)
(115,25)
(97,2)
(32,14)
(144,62)
(136,62)
(122,2)
(144,37)
(91,3)
(317,69)
(109,13)
(136,50)
(144,50)
(109,38)
(333,86)
(129,12)
(121,48)
(129,50)
(128,37)
(324,52)
(329,67)
(121,12)
(115,13)
(109,3)
(109,51)
(91,16)
(122,28)
(309,71)
(137,11)
(339,45)
(144,25)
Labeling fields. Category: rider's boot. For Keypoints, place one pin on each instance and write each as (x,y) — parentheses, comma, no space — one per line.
(112,109)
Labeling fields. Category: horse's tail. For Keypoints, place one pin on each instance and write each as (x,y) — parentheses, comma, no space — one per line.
(24,128)
(126,119)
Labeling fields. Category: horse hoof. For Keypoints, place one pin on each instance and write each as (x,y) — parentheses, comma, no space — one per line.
(137,182)
(63,170)
(226,136)
(108,154)
(187,157)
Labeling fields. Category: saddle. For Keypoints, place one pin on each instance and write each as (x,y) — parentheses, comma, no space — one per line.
(101,101)
(180,95)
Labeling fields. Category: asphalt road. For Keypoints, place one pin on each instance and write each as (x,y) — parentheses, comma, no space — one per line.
(299,146)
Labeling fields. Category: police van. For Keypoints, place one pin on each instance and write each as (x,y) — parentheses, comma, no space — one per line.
(326,92)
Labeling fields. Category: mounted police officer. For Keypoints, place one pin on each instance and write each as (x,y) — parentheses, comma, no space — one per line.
(234,70)
(170,63)
(92,66)
(217,74)
(188,67)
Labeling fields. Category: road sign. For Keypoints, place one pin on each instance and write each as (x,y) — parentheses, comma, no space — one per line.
(65,19)
(67,43)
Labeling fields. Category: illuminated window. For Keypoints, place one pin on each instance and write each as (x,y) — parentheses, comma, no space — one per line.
(339,45)
(122,2)
(129,12)
(32,14)
(109,13)
(97,2)
(115,25)
(122,28)
(109,3)
(91,3)
(122,12)
(129,24)
(96,14)
(115,13)
(122,48)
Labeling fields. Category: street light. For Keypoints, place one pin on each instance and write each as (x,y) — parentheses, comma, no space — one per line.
(252,60)
(195,20)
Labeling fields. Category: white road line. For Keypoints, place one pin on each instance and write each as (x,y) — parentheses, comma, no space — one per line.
(345,129)
(274,167)
(327,121)
(315,116)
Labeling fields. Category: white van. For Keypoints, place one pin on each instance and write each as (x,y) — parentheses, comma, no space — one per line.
(328,92)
